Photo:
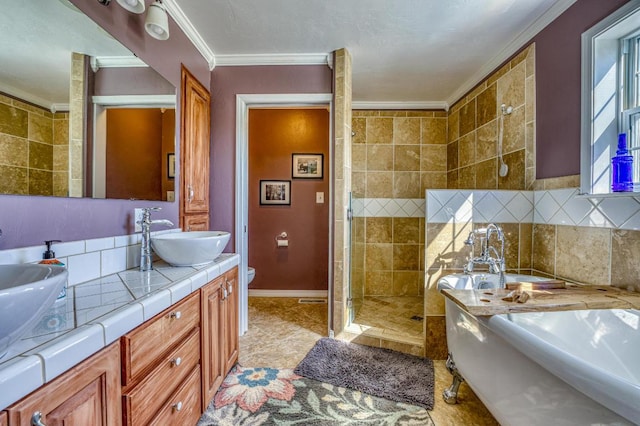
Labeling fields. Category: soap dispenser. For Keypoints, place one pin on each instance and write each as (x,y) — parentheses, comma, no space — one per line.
(49,258)
(622,167)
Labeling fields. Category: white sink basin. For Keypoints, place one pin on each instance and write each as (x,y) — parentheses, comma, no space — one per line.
(192,248)
(26,292)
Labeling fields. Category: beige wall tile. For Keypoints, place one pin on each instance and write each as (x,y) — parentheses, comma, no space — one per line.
(515,177)
(378,282)
(406,185)
(526,242)
(467,150)
(467,117)
(14,151)
(406,131)
(434,130)
(486,106)
(487,174)
(359,128)
(379,157)
(544,248)
(61,131)
(359,157)
(573,261)
(407,283)
(511,87)
(514,136)
(15,180)
(436,338)
(452,156)
(379,130)
(40,128)
(453,126)
(452,179)
(406,257)
(487,141)
(467,177)
(445,245)
(358,184)
(379,257)
(379,185)
(625,268)
(40,156)
(406,158)
(432,180)
(14,121)
(406,230)
(40,182)
(378,230)
(434,158)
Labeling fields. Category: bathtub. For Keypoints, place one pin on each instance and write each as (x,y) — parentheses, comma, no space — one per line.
(479,280)
(550,368)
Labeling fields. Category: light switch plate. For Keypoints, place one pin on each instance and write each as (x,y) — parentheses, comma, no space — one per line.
(319,197)
(137,217)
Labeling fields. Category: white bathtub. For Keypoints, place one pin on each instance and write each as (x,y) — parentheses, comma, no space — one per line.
(551,368)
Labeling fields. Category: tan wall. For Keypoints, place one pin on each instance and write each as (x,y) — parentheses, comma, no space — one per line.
(472,160)
(33,142)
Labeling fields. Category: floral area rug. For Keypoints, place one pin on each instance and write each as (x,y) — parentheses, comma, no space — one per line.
(269,396)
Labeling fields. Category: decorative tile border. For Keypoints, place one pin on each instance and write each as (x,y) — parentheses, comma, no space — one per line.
(444,206)
(388,207)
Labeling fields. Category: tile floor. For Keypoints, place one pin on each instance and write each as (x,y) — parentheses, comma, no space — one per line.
(281,332)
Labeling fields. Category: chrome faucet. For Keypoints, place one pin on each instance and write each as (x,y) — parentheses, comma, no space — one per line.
(146,263)
(489,255)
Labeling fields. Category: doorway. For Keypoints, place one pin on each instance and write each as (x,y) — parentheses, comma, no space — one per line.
(289,101)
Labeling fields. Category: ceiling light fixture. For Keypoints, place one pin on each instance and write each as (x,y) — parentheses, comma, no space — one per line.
(157,22)
(135,6)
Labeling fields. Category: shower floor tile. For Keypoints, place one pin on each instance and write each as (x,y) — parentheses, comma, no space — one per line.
(393,315)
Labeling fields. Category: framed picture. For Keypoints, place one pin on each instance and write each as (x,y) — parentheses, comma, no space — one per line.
(307,166)
(171,166)
(275,192)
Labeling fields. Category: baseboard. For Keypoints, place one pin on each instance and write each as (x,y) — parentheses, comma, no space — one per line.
(287,293)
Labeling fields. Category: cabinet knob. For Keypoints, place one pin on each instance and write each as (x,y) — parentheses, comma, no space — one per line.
(176,315)
(190,193)
(36,419)
(229,287)
(177,361)
(177,406)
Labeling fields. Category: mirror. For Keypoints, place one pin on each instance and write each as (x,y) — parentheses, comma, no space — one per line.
(80,115)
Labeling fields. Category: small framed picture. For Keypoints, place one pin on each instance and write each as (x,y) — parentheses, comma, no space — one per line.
(171,166)
(275,192)
(307,166)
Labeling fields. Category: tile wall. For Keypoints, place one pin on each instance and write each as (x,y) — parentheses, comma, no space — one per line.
(396,156)
(33,148)
(473,129)
(342,182)
(76,123)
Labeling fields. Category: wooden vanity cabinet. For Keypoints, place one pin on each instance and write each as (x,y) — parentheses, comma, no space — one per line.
(88,394)
(219,332)
(196,222)
(158,358)
(3,418)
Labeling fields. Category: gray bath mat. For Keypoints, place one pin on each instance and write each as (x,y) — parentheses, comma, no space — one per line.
(380,372)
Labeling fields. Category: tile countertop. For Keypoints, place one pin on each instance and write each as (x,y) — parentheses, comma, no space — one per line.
(574,297)
(93,315)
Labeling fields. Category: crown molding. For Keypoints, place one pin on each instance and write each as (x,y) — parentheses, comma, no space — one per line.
(439,105)
(274,59)
(132,101)
(98,62)
(516,44)
(59,108)
(190,31)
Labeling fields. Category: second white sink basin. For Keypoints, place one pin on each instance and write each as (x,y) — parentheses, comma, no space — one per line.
(26,292)
(192,248)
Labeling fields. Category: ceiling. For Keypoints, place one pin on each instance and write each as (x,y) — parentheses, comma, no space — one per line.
(420,53)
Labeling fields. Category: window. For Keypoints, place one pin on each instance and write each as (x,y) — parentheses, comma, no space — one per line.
(610,96)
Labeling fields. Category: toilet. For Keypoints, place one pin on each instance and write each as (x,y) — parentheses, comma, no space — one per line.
(251,273)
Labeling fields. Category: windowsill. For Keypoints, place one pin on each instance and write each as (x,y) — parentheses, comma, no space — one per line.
(610,195)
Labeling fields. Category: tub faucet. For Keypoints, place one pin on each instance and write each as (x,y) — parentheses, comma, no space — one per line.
(145,248)
(489,255)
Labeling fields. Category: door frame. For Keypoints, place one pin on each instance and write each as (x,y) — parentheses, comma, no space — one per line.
(243,103)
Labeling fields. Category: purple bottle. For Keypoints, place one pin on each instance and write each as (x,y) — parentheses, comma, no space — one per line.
(622,167)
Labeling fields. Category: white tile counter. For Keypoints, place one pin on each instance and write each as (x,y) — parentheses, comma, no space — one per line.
(93,315)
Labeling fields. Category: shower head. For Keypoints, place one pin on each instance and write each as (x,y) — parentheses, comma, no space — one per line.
(506,110)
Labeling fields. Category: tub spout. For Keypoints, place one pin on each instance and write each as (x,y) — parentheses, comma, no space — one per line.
(450,394)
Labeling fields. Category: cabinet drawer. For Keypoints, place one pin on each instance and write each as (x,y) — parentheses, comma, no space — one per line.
(145,399)
(183,407)
(142,347)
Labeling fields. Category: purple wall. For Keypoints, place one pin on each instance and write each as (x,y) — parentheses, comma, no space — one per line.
(226,83)
(558,74)
(28,221)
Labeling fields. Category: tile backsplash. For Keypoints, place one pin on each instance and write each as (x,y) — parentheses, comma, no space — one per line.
(87,259)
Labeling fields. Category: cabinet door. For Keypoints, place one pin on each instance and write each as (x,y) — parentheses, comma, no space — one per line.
(194,146)
(196,222)
(212,339)
(88,394)
(231,319)
(3,418)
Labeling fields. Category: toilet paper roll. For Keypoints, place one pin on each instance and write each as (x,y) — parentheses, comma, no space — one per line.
(283,243)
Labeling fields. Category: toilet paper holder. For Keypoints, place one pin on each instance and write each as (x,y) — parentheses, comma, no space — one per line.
(282,240)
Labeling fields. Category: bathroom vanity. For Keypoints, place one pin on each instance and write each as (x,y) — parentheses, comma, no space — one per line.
(156,357)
